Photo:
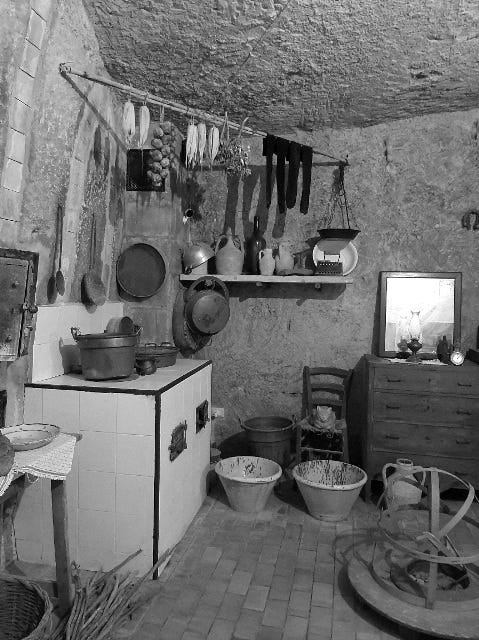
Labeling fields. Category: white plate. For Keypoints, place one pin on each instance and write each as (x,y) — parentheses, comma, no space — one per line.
(30,436)
(348,256)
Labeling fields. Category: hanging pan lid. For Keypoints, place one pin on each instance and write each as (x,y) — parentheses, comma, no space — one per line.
(140,270)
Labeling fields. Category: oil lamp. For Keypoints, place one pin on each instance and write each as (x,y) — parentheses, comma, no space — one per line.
(414,343)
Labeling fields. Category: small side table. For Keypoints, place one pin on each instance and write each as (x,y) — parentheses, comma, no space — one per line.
(59,517)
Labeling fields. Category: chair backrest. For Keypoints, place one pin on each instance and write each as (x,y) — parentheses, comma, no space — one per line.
(325,386)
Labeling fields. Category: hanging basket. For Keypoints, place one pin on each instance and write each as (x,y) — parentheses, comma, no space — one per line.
(25,610)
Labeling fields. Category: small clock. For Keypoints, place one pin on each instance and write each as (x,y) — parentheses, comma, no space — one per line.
(456,357)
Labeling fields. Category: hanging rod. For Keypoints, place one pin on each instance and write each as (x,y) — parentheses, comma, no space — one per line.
(147,97)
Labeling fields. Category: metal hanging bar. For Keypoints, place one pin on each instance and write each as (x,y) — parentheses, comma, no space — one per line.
(146,97)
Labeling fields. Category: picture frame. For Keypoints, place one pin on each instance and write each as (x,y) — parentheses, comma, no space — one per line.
(437,297)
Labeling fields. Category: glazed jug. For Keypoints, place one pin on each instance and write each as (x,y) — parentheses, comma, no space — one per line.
(396,486)
(284,260)
(229,254)
(266,262)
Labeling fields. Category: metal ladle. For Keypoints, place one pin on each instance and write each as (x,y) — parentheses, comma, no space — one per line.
(59,278)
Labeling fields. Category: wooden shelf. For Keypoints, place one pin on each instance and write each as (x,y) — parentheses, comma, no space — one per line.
(317,281)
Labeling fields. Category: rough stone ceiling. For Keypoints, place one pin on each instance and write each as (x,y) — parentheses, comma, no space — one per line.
(290,64)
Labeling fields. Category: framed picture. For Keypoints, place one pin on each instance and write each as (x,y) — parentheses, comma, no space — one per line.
(432,298)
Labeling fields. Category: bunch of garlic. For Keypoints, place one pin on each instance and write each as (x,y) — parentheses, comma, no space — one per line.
(163,155)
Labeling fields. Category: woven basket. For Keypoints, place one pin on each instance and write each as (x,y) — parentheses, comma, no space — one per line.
(25,610)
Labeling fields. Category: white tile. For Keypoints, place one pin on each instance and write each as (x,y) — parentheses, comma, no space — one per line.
(136,414)
(42,7)
(89,320)
(96,530)
(23,87)
(36,29)
(68,318)
(33,405)
(135,454)
(96,491)
(28,518)
(46,328)
(111,310)
(134,495)
(16,142)
(93,559)
(98,411)
(62,407)
(29,550)
(71,485)
(97,451)
(139,565)
(73,532)
(131,533)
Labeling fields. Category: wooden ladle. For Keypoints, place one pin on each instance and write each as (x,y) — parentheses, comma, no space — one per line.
(92,285)
(59,278)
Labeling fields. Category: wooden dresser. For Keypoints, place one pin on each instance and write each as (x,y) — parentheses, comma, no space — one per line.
(426,412)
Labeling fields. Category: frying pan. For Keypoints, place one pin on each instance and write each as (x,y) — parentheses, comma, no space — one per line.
(140,270)
(93,288)
(207,305)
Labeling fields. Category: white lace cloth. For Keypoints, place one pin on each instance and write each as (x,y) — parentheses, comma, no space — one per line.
(53,461)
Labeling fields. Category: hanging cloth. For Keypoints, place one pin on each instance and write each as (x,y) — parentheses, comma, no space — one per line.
(282,147)
(294,159)
(307,161)
(269,147)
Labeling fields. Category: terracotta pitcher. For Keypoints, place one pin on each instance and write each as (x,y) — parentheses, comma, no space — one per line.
(284,259)
(398,485)
(266,262)
(230,255)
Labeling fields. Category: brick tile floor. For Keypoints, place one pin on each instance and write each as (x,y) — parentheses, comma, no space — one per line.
(276,575)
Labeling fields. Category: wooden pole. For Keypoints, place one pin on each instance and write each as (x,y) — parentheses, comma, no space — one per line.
(147,97)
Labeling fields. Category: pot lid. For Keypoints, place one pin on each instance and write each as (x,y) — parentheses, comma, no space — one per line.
(140,270)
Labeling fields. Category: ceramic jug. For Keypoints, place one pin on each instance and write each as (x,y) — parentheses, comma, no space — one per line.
(230,255)
(266,262)
(284,260)
(398,489)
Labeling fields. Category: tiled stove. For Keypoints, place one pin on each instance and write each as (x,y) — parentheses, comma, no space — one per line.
(127,489)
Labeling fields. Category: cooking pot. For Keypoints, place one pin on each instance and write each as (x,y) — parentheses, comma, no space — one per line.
(207,305)
(107,355)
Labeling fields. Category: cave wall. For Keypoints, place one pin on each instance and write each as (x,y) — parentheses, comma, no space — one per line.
(408,185)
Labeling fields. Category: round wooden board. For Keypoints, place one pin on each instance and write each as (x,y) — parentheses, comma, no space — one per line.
(454,625)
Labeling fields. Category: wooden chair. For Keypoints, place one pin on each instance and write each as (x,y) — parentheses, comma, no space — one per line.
(323,386)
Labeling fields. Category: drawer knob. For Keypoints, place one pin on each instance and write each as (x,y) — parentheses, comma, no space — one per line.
(392,406)
(462,441)
(464,384)
(463,412)
(390,437)
(394,379)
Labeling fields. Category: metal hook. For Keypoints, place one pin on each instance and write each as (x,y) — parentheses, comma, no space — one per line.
(467,223)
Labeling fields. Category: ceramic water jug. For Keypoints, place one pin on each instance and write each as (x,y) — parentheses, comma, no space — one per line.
(284,259)
(398,489)
(229,254)
(266,262)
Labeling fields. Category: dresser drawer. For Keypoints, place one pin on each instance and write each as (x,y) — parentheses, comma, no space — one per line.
(407,439)
(466,469)
(425,379)
(432,409)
